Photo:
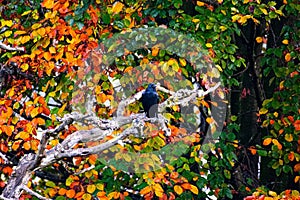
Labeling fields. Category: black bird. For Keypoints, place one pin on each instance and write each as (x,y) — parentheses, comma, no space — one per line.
(150,101)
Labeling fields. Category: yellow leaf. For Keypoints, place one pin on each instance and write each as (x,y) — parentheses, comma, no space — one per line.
(158,190)
(272,193)
(26,12)
(86,196)
(263,111)
(100,186)
(34,112)
(11,92)
(194,189)
(117,7)
(25,39)
(267,141)
(20,32)
(24,67)
(288,137)
(297,178)
(223,28)
(178,189)
(23,135)
(236,17)
(279,12)
(285,41)
(62,109)
(8,23)
(208,45)
(48,4)
(49,68)
(182,61)
(195,20)
(264,11)
(52,50)
(200,3)
(275,141)
(36,26)
(7,33)
(41,31)
(46,43)
(91,188)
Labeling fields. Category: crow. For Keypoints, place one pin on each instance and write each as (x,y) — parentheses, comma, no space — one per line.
(150,101)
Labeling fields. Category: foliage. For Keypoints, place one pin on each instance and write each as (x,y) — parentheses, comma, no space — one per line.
(59,37)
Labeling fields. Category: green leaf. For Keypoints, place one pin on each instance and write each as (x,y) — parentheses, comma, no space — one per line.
(227,174)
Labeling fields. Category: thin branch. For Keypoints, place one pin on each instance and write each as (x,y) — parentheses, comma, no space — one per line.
(6,161)
(9,48)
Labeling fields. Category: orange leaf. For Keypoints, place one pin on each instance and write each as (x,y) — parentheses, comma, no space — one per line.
(52,192)
(297,125)
(62,191)
(48,4)
(16,145)
(26,145)
(297,167)
(34,144)
(259,39)
(252,150)
(92,159)
(46,110)
(155,51)
(291,156)
(267,141)
(47,56)
(186,186)
(7,130)
(3,147)
(287,57)
(70,193)
(7,170)
(146,190)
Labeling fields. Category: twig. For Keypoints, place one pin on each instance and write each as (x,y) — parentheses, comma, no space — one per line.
(9,48)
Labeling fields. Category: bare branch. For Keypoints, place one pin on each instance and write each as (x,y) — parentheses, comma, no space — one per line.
(6,161)
(9,48)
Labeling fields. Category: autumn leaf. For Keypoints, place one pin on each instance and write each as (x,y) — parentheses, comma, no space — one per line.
(48,4)
(146,190)
(60,111)
(91,188)
(259,39)
(194,189)
(297,125)
(267,141)
(178,189)
(70,193)
(275,142)
(117,7)
(287,57)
